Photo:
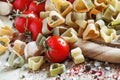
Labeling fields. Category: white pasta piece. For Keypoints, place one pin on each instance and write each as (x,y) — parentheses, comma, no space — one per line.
(79,16)
(108,14)
(81,23)
(55,19)
(99,16)
(70,35)
(4,42)
(59,30)
(118,16)
(45,29)
(19,46)
(6,30)
(80,19)
(118,6)
(56,69)
(49,5)
(100,23)
(15,60)
(108,34)
(69,21)
(114,3)
(91,31)
(44,14)
(64,7)
(77,55)
(83,5)
(36,62)
(93,13)
(103,3)
(40,40)
(31,49)
(1,23)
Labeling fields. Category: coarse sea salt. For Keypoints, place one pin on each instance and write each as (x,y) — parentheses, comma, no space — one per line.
(107,68)
(97,64)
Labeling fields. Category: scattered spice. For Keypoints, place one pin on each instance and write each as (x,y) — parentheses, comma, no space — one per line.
(88,67)
(95,76)
(94,70)
(57,78)
(107,68)
(100,73)
(22,76)
(12,44)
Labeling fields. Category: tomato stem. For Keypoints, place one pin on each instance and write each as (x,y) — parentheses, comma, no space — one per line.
(10,1)
(46,46)
(26,28)
(17,13)
(40,1)
(28,33)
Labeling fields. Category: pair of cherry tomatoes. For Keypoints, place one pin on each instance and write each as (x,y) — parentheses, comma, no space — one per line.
(30,22)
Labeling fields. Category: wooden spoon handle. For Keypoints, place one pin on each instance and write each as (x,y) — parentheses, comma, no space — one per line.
(98,51)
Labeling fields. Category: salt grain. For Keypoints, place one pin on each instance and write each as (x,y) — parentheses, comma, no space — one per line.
(73,78)
(106,63)
(72,71)
(68,71)
(107,68)
(97,64)
(0,63)
(44,69)
(79,74)
(99,68)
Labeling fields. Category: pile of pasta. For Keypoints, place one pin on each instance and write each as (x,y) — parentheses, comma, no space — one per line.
(82,24)
(91,25)
(89,18)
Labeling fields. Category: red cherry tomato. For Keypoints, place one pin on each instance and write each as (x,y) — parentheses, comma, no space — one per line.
(71,1)
(35,28)
(4,0)
(58,49)
(31,15)
(21,4)
(37,6)
(22,22)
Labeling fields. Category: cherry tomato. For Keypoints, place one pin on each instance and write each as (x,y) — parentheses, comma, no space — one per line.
(35,28)
(31,15)
(22,22)
(58,49)
(37,6)
(21,4)
(4,0)
(71,1)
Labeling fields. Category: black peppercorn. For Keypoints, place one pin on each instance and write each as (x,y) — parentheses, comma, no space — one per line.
(87,67)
